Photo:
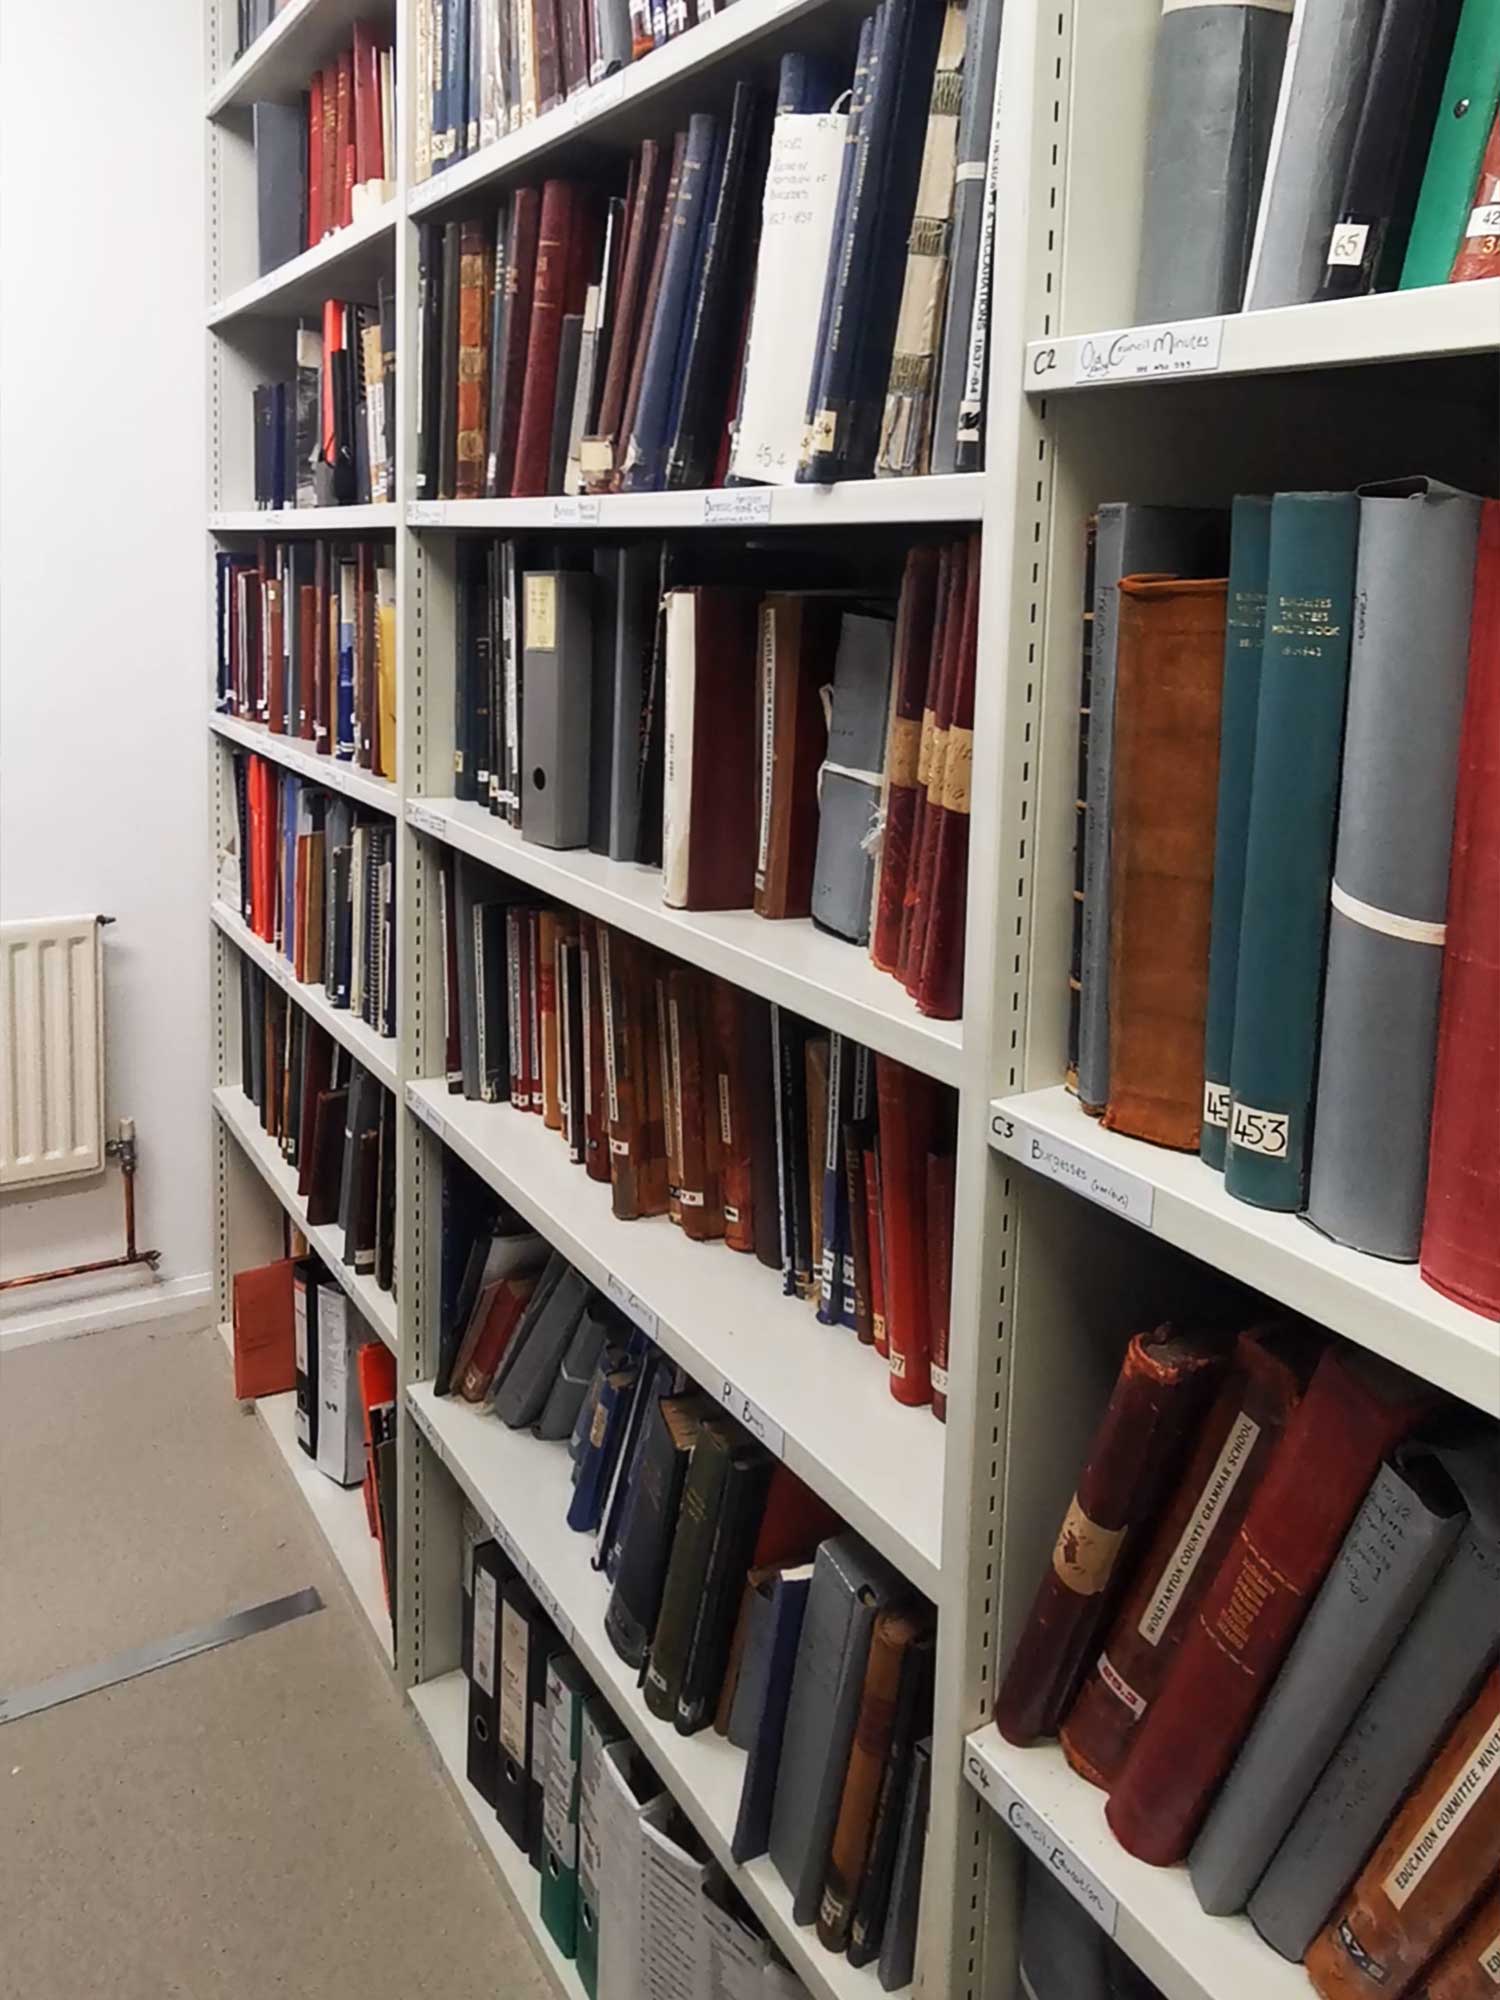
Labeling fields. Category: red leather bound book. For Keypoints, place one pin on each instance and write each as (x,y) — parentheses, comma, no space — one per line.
(641,233)
(265,1360)
(1234,1447)
(638,1177)
(376,1367)
(909,1115)
(875,1212)
(491,1335)
(596,1109)
(853,1140)
(1355,1409)
(1479,256)
(369,148)
(930,771)
(548,44)
(1469,1968)
(1438,1856)
(941,1171)
(1461,1226)
(546,1009)
(939,986)
(916,617)
(505,390)
(275,658)
(315,159)
(473,355)
(534,1034)
(658,252)
(730,1111)
(708,813)
(794,1522)
(798,641)
(1148,1425)
(343,143)
(539,385)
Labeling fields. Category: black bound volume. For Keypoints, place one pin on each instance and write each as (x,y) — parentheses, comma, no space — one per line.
(280,132)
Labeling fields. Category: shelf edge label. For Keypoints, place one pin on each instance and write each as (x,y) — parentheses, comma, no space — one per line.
(427,514)
(1098,1181)
(1080,1881)
(754,1419)
(576,510)
(634,1308)
(418,1104)
(425,820)
(1126,354)
(737,506)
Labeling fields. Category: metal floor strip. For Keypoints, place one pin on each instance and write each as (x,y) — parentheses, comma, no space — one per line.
(165,1653)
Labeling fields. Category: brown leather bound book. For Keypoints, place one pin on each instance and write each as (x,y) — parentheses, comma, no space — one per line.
(638,1170)
(504,420)
(938,986)
(708,812)
(699,1195)
(854,1137)
(942,1170)
(1355,1409)
(1469,1967)
(908,1119)
(894,1633)
(596,1106)
(1169,677)
(1439,1854)
(643,227)
(554,250)
(875,1207)
(1234,1447)
(671,1120)
(815,1070)
(648,305)
(327,1155)
(1136,1451)
(473,356)
(265,1358)
(729,1112)
(798,639)
(916,614)
(548,44)
(548,928)
(1479,256)
(931,765)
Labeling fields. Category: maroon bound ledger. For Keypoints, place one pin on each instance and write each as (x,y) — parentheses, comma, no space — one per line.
(510,375)
(1355,1409)
(938,985)
(1136,1451)
(554,250)
(915,618)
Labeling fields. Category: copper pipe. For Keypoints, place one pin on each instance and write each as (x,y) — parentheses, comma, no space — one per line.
(124,1150)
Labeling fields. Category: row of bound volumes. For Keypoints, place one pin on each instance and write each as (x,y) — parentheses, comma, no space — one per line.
(328,158)
(317,881)
(734,1593)
(1269,1631)
(592,341)
(331,1119)
(327,436)
(1318,151)
(307,645)
(696,1100)
(799,753)
(1288,949)
(252,18)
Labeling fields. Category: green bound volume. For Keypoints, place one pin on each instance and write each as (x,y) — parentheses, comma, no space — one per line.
(1249,552)
(1466,112)
(1294,792)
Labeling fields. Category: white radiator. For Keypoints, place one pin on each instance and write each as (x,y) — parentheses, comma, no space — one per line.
(51,1050)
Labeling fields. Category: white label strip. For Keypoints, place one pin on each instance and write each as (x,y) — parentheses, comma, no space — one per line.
(1185,347)
(754,1419)
(633,1308)
(578,510)
(1484,220)
(417,1103)
(425,820)
(737,506)
(1081,1883)
(1096,1180)
(549,1603)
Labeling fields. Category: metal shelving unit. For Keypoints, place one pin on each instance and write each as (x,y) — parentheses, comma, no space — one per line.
(1050,1275)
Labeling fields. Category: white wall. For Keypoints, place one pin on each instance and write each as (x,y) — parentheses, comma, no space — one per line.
(102,663)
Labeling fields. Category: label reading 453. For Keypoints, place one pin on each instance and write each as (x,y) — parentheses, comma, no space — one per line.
(1265,1132)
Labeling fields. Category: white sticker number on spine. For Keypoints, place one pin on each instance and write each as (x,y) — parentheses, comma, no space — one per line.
(1265,1132)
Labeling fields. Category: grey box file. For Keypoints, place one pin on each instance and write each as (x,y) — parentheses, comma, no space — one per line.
(571,1383)
(850,1585)
(280,133)
(1400,1538)
(851,778)
(556,722)
(537,1351)
(1317,114)
(1414,595)
(1445,1652)
(1214,84)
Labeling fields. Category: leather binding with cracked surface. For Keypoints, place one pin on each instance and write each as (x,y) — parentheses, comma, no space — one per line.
(708,840)
(1469,1959)
(937,983)
(637,1156)
(700,1203)
(798,640)
(726,1027)
(1169,683)
(1461,1225)
(1135,1452)
(1356,1408)
(1436,1859)
(937,714)
(511,336)
(908,1114)
(473,313)
(915,616)
(596,1107)
(1234,1447)
(559,222)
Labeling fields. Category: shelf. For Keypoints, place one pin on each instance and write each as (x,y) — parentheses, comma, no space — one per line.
(1382,1306)
(377,1053)
(935,497)
(279,63)
(610,112)
(442,1708)
(815,1392)
(338,1510)
(790,961)
(522,1487)
(376,1308)
(379,519)
(346,265)
(1152,1913)
(1437,321)
(297,755)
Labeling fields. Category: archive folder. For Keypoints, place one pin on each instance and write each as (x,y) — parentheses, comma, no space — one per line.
(557,672)
(567,1691)
(491,1571)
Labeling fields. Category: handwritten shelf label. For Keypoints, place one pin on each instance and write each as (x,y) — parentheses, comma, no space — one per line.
(1080,1881)
(415,1102)
(425,820)
(427,514)
(577,510)
(633,1308)
(738,506)
(754,1419)
(1186,347)
(549,1603)
(1096,1180)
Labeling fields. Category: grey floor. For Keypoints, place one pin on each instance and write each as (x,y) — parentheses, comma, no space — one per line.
(262,1821)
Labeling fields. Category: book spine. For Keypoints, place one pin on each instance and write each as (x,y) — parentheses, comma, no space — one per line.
(1289,846)
(938,986)
(1081,801)
(981,61)
(941,1171)
(873,1732)
(538,395)
(1469,1961)
(915,631)
(1479,248)
(906,1119)
(1467,107)
(473,309)
(643,462)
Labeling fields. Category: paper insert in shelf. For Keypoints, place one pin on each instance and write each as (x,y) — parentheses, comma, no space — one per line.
(738,506)
(425,820)
(417,1103)
(576,510)
(1126,354)
(1096,1180)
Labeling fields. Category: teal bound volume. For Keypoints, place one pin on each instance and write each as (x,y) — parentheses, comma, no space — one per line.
(1294,791)
(1249,552)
